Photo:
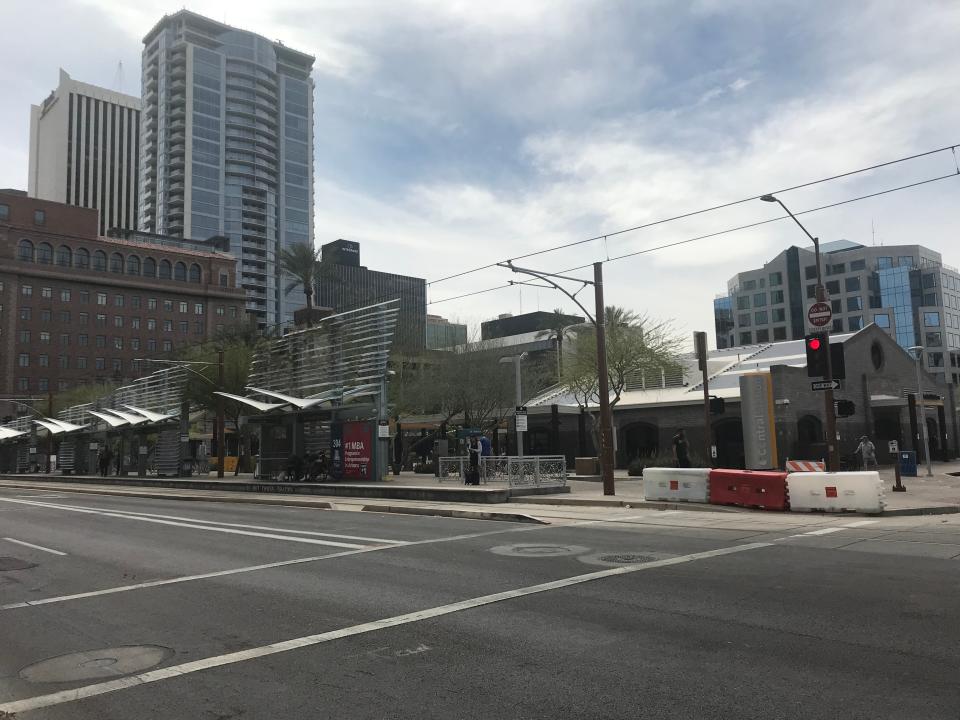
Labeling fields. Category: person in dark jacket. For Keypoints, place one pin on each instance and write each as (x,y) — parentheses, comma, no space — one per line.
(681,451)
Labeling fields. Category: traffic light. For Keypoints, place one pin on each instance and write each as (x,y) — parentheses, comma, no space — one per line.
(717,405)
(817,350)
(845,408)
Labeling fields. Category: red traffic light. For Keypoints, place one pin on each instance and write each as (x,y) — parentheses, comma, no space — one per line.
(814,343)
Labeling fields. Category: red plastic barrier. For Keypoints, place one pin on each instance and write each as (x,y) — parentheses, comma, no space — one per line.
(761,489)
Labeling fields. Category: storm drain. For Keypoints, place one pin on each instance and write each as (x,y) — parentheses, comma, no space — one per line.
(536,550)
(614,559)
(96,664)
(12,563)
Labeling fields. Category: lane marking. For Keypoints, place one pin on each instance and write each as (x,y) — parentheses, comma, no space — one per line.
(175,671)
(232,531)
(35,547)
(384,541)
(861,523)
(821,531)
(40,496)
(252,568)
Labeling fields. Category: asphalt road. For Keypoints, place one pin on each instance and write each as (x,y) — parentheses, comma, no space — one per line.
(137,608)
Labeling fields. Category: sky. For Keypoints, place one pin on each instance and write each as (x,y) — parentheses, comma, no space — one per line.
(452,134)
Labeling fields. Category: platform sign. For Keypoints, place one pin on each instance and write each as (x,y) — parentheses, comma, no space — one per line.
(819,314)
(383,429)
(521,418)
(759,430)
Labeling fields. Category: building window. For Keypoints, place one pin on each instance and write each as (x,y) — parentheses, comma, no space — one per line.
(851,284)
(233,311)
(168,305)
(118,300)
(133,265)
(780,333)
(779,315)
(858,265)
(23,360)
(168,325)
(83,339)
(743,319)
(63,362)
(26,290)
(855,322)
(46,293)
(4,211)
(743,302)
(25,337)
(195,274)
(64,256)
(151,323)
(151,303)
(25,251)
(833,287)
(198,308)
(763,336)
(64,339)
(905,261)
(184,327)
(118,321)
(776,296)
(931,319)
(929,279)
(23,383)
(43,384)
(149,267)
(836,306)
(760,318)
(180,272)
(811,291)
(116,263)
(166,270)
(810,272)
(44,338)
(101,298)
(776,279)
(883,263)
(101,341)
(100,260)
(117,343)
(134,343)
(882,320)
(39,217)
(221,311)
(46,315)
(837,325)
(838,269)
(935,359)
(82,257)
(135,323)
(167,345)
(84,297)
(746,338)
(183,306)
(101,320)
(43,360)
(83,318)
(750,285)
(854,303)
(99,363)
(25,313)
(759,299)
(198,327)
(151,344)
(135,302)
(934,339)
(65,296)
(224,279)
(45,253)
(81,362)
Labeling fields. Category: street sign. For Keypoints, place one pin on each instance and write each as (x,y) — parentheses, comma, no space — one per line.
(825,385)
(819,314)
(383,429)
(521,418)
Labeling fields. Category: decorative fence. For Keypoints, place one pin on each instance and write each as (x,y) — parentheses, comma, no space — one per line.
(512,470)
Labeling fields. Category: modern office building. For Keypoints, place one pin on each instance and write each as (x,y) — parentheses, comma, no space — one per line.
(506,325)
(85,151)
(906,290)
(344,284)
(78,308)
(443,334)
(227,147)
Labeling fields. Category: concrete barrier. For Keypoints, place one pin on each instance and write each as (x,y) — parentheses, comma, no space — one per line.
(676,484)
(836,492)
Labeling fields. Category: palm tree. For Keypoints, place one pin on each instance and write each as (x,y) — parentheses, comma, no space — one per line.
(558,330)
(301,261)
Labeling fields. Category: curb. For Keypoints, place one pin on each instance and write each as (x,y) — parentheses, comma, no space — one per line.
(463,514)
(651,504)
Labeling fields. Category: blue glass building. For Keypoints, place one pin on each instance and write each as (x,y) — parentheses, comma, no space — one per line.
(227,147)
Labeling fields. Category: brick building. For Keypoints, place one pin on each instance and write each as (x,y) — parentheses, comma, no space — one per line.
(77,308)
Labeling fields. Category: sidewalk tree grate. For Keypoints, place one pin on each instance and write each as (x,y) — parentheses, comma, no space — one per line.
(12,563)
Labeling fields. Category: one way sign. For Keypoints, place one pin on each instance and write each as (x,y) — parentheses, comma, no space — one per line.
(825,385)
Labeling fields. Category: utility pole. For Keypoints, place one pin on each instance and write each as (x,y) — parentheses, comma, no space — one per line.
(606,421)
(49,433)
(221,421)
(519,389)
(700,344)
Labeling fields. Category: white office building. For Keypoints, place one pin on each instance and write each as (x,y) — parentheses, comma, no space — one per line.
(227,141)
(85,150)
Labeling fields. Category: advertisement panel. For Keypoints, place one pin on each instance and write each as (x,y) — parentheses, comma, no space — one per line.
(759,430)
(357,450)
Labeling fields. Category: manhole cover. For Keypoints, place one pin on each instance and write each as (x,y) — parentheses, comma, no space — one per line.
(626,559)
(538,550)
(12,563)
(94,664)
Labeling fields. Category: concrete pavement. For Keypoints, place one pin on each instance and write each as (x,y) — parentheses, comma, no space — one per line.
(237,610)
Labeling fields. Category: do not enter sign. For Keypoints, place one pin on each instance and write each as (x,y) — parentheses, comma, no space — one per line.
(819,314)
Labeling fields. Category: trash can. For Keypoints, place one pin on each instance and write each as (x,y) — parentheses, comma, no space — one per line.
(908,463)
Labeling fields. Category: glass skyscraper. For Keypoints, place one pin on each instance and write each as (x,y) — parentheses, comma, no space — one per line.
(227,148)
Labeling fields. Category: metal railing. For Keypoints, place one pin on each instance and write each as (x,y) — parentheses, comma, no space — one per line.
(511,470)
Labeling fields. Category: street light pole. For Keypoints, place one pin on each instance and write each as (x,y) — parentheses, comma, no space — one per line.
(917,351)
(515,359)
(221,420)
(833,450)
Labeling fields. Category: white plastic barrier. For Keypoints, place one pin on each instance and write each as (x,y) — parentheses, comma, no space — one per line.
(836,492)
(679,484)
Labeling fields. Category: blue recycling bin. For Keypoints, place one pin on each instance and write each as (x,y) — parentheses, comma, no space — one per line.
(908,463)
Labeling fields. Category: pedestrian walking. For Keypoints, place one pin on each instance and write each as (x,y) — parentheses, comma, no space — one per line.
(681,451)
(868,452)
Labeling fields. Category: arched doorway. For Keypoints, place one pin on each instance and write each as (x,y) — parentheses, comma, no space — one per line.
(728,434)
(640,440)
(810,439)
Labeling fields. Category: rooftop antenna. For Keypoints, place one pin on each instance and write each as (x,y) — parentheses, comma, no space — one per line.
(873,232)
(118,78)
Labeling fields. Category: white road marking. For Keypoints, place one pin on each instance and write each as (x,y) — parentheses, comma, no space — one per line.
(40,496)
(175,671)
(861,523)
(35,547)
(381,541)
(252,568)
(822,531)
(232,531)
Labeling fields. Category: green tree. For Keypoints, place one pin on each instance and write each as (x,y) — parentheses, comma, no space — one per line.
(203,381)
(301,262)
(558,330)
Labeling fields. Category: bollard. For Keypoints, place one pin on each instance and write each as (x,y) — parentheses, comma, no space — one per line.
(898,483)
